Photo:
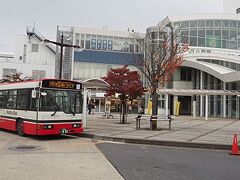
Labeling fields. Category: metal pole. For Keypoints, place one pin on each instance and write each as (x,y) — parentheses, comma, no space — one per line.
(206,107)
(84,113)
(224,102)
(61,44)
(166,113)
(61,57)
(201,96)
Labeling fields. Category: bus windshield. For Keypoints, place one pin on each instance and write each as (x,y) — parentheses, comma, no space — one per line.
(70,102)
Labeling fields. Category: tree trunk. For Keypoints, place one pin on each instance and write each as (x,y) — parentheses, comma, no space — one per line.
(124,110)
(154,107)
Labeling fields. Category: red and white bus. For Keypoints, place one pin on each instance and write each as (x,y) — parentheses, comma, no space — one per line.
(41,107)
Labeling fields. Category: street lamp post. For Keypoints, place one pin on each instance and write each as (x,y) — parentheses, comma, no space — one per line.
(62,45)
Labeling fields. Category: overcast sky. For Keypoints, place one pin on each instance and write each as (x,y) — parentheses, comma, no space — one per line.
(16,15)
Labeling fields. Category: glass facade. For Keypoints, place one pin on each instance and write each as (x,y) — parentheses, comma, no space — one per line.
(210,33)
(105,43)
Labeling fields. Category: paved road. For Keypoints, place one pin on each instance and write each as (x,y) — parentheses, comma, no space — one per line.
(49,158)
(168,163)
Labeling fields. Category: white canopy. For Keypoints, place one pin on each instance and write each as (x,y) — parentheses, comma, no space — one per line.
(190,92)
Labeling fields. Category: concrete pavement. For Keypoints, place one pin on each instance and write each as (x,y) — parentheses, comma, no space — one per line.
(51,157)
(216,133)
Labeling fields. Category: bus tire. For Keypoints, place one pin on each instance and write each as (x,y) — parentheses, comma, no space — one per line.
(19,127)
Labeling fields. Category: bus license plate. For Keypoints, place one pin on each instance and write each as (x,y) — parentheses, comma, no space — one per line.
(63,131)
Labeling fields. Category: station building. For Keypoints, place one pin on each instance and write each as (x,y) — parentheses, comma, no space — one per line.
(211,64)
(208,82)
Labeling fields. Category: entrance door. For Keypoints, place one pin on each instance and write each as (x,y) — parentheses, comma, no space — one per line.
(185,105)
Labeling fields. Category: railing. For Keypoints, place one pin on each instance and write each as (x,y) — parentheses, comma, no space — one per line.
(31,30)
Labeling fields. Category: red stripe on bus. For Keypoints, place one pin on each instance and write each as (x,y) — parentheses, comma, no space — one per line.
(37,129)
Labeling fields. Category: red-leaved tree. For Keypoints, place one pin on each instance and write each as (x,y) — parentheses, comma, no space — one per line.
(126,83)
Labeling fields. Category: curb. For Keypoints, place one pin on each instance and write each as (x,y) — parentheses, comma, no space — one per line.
(160,143)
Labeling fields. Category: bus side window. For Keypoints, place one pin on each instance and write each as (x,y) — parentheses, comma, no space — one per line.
(33,102)
(3,99)
(22,99)
(12,97)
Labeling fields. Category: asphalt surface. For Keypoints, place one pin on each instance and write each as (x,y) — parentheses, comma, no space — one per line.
(169,163)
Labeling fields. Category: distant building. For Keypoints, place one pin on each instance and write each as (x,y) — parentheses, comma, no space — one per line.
(101,50)
(31,57)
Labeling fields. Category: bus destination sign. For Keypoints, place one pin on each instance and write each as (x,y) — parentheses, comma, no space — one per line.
(60,84)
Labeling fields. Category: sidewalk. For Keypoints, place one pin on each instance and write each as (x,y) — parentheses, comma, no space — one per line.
(216,133)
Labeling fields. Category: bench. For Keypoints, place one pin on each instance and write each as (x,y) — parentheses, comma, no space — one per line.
(153,118)
(108,116)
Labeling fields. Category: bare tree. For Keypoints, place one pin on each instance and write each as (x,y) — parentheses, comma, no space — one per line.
(162,56)
(15,77)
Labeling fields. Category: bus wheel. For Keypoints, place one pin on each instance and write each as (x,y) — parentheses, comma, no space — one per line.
(20,127)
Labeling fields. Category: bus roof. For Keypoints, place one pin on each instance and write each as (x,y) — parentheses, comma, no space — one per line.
(29,83)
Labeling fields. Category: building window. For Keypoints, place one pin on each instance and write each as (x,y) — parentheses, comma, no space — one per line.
(201,33)
(131,46)
(186,74)
(209,23)
(193,41)
(77,42)
(193,32)
(161,101)
(201,23)
(93,44)
(184,24)
(193,23)
(87,44)
(99,44)
(201,42)
(225,23)
(82,41)
(217,23)
(104,44)
(110,45)
(7,72)
(35,47)
(233,65)
(38,74)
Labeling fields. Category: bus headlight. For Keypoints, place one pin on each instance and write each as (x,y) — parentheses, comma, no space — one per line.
(76,125)
(49,126)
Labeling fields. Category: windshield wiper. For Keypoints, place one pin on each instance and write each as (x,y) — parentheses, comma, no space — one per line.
(73,113)
(69,109)
(56,108)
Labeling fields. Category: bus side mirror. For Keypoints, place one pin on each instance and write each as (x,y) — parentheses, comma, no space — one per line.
(34,93)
